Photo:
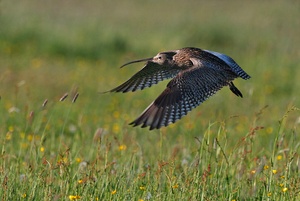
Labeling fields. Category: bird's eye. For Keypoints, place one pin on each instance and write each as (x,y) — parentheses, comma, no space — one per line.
(159,57)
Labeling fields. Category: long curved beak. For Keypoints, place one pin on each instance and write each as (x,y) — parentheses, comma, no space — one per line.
(136,61)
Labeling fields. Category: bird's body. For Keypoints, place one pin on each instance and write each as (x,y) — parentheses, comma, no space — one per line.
(197,74)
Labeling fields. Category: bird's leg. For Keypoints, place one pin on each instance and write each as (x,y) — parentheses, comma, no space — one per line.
(235,90)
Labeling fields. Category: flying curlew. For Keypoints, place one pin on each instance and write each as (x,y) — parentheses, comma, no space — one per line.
(197,74)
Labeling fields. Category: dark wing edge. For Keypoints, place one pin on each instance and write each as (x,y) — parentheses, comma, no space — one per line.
(183,93)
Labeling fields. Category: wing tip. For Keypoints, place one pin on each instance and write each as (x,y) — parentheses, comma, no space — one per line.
(245,76)
(143,125)
(144,121)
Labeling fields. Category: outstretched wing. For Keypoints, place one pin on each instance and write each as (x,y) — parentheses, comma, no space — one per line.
(152,73)
(183,93)
(231,63)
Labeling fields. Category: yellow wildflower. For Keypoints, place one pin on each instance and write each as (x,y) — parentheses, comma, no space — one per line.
(142,188)
(24,195)
(284,189)
(269,194)
(80,181)
(74,197)
(78,160)
(175,186)
(279,157)
(266,167)
(42,149)
(114,192)
(141,200)
(253,171)
(274,171)
(30,137)
(122,147)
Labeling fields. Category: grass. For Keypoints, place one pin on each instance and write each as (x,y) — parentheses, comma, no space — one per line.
(226,149)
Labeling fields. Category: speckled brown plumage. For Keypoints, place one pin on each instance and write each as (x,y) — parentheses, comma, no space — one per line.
(197,74)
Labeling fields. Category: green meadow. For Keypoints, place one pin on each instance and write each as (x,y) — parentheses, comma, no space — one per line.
(82,148)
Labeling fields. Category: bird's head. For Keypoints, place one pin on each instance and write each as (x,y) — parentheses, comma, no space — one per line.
(164,58)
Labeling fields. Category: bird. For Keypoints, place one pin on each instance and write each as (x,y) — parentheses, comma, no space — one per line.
(196,74)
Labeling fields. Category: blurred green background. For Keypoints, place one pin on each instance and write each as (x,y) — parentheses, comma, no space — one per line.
(53,46)
(49,48)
